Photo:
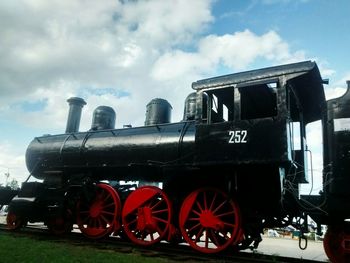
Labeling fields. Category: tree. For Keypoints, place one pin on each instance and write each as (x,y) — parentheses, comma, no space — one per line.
(13,184)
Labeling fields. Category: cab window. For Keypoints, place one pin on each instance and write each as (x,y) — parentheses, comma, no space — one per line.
(246,102)
(258,101)
(220,105)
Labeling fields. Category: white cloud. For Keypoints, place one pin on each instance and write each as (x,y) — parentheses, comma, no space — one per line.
(235,51)
(166,22)
(324,67)
(87,41)
(56,107)
(334,92)
(338,88)
(55,50)
(343,80)
(13,162)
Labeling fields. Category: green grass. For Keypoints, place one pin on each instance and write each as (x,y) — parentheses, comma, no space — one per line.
(16,248)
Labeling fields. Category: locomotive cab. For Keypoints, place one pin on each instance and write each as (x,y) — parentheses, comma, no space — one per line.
(247,112)
(254,122)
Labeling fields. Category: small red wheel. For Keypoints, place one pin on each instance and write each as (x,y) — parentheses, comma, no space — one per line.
(14,222)
(146,215)
(336,244)
(98,218)
(209,220)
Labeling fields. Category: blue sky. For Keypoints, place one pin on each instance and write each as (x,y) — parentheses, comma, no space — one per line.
(124,53)
(319,27)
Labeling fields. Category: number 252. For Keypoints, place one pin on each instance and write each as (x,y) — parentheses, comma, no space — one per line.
(239,136)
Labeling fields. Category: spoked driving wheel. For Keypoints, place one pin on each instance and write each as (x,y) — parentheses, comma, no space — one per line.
(336,244)
(97,218)
(146,215)
(209,220)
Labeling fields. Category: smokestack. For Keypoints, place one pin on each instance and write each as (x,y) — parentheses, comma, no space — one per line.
(75,106)
(348,82)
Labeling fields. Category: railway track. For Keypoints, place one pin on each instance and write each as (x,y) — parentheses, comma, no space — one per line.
(161,250)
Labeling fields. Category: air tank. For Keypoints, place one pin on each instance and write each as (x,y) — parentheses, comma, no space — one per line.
(158,111)
(103,118)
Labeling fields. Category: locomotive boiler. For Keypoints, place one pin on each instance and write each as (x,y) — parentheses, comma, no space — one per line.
(230,168)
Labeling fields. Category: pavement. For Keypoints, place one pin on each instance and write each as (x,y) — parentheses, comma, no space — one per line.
(288,247)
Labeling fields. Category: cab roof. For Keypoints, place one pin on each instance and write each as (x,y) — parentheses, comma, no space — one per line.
(304,77)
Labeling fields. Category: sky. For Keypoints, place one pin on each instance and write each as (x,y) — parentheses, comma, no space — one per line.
(124,53)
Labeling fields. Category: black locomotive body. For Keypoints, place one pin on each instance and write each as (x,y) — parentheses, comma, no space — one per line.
(104,152)
(231,167)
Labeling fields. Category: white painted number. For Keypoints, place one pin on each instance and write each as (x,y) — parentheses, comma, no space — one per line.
(238,136)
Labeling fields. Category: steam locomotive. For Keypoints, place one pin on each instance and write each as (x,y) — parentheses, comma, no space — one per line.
(232,167)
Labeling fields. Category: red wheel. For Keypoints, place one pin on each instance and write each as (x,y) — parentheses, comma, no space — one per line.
(14,222)
(336,244)
(209,220)
(146,215)
(98,218)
